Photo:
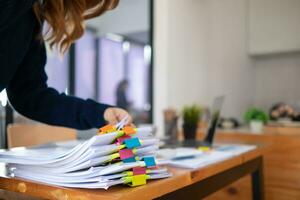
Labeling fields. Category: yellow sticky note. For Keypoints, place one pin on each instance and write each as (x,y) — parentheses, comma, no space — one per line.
(203,148)
(129,173)
(139,180)
(114,156)
(122,147)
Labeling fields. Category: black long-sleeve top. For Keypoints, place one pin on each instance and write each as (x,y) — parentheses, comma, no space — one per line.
(22,73)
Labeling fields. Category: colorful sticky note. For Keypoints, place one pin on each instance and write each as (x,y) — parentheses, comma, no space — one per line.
(126,153)
(129,160)
(149,161)
(128,130)
(114,156)
(129,173)
(139,170)
(132,143)
(204,148)
(108,128)
(122,146)
(120,140)
(138,180)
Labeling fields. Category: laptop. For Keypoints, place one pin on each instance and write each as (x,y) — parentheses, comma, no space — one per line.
(210,133)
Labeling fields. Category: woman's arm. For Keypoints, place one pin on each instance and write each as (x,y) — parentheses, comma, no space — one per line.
(10,10)
(30,95)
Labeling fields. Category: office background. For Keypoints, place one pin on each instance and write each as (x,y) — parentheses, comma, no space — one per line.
(199,49)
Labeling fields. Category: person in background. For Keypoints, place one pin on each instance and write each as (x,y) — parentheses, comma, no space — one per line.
(23,59)
(122,101)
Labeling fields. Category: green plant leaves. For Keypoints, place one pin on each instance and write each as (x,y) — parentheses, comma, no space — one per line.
(256,114)
(191,114)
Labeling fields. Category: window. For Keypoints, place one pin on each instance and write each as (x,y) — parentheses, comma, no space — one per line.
(85,66)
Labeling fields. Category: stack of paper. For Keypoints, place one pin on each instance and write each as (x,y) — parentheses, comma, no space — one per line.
(115,156)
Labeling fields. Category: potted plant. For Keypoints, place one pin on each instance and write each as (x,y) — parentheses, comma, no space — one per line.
(191,117)
(256,118)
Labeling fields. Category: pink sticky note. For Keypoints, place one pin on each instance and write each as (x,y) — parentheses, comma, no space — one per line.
(139,170)
(120,140)
(126,153)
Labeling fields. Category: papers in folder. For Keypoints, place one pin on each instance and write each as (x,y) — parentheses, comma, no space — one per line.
(100,162)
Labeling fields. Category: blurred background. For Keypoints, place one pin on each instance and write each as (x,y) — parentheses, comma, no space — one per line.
(152,56)
(111,64)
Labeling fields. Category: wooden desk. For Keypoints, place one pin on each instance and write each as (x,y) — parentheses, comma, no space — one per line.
(185,184)
(281,165)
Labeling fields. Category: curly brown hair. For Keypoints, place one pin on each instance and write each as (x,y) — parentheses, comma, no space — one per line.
(66,18)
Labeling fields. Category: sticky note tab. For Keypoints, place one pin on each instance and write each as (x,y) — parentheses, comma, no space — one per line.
(128,130)
(139,170)
(120,140)
(126,153)
(129,160)
(107,129)
(204,148)
(132,143)
(138,180)
(122,147)
(149,161)
(128,173)
(114,156)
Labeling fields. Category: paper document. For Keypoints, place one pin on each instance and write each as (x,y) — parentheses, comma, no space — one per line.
(189,158)
(117,155)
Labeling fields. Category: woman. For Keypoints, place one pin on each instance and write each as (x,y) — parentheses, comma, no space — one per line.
(23,58)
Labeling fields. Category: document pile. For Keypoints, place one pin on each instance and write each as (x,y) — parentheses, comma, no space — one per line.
(117,155)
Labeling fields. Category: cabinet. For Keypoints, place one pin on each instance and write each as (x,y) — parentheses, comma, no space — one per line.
(273,26)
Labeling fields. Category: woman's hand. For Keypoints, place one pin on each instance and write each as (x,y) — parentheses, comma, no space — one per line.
(114,115)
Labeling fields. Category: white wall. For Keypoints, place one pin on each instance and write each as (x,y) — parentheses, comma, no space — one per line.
(161,61)
(277,79)
(200,45)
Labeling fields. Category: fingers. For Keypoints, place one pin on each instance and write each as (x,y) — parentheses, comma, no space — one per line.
(110,116)
(119,117)
(121,114)
(112,120)
(115,115)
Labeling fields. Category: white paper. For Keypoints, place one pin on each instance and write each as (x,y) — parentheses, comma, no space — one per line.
(84,164)
(220,153)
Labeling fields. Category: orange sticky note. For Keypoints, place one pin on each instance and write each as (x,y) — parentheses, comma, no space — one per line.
(108,128)
(128,130)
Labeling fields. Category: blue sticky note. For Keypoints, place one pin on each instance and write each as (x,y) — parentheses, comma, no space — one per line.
(132,143)
(129,160)
(149,161)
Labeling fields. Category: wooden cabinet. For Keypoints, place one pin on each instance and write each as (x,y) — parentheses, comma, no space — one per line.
(273,26)
(281,166)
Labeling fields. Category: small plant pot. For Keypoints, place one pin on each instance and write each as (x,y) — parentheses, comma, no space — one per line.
(189,131)
(256,126)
